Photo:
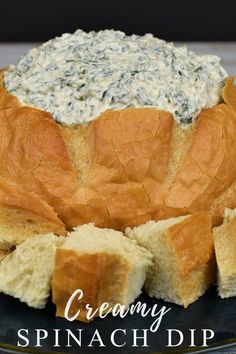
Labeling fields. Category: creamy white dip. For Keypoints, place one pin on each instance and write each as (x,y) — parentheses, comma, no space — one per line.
(77,76)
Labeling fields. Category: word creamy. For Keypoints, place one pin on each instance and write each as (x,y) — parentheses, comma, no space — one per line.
(118,310)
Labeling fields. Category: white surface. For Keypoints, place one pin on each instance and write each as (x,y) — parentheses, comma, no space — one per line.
(11,53)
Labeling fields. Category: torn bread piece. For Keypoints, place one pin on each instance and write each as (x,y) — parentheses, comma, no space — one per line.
(184,261)
(26,272)
(225,249)
(104,264)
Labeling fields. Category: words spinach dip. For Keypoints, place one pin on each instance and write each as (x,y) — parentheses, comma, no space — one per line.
(77,76)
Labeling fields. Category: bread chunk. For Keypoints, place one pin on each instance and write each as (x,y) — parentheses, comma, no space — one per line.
(225,249)
(184,262)
(26,272)
(104,264)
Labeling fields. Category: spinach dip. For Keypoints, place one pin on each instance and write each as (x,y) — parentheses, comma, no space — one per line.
(78,76)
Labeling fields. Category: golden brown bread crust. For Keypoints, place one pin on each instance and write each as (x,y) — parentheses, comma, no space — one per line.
(4,253)
(229,93)
(24,214)
(124,168)
(195,283)
(6,100)
(14,196)
(209,168)
(128,164)
(192,241)
(226,200)
(100,276)
(130,179)
(34,156)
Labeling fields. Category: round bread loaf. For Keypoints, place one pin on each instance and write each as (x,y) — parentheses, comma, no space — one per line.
(125,167)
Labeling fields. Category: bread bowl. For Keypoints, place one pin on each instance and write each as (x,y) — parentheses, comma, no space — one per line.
(185,167)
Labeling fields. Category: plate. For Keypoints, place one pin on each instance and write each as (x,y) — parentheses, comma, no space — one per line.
(209,312)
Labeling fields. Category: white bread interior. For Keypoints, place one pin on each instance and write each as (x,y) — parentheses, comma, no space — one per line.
(229,214)
(26,272)
(110,268)
(174,276)
(225,249)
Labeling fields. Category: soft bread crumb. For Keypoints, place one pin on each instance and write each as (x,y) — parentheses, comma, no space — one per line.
(172,276)
(26,272)
(229,214)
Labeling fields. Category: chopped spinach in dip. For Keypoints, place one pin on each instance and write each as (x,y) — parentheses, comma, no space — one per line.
(78,76)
